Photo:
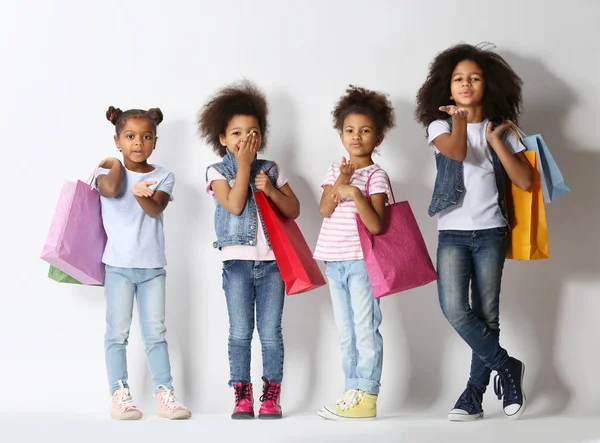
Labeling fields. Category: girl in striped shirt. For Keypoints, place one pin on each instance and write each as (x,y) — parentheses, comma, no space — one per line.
(362,117)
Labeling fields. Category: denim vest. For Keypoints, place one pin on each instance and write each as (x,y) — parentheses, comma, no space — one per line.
(240,229)
(449,185)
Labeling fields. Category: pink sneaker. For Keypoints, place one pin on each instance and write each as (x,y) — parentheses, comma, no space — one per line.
(123,406)
(244,401)
(169,406)
(270,407)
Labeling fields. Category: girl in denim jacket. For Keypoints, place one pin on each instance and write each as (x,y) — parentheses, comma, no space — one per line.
(469,94)
(234,123)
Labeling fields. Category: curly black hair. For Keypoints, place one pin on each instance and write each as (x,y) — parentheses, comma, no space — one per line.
(242,98)
(359,100)
(118,118)
(502,95)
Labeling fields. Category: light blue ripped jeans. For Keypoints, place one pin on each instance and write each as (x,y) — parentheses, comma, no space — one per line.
(358,317)
(121,286)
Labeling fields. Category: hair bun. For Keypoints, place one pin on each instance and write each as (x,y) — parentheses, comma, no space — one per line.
(113,114)
(155,114)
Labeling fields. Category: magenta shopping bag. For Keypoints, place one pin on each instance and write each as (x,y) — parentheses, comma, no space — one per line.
(76,240)
(397,258)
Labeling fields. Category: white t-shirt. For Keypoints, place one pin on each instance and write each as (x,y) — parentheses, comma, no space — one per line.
(338,238)
(478,209)
(135,240)
(258,252)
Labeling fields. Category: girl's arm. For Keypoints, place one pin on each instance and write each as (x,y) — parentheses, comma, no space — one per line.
(153,203)
(371,213)
(518,168)
(284,198)
(454,145)
(110,184)
(233,199)
(328,202)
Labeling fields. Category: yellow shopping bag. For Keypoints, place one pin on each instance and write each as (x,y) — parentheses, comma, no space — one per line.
(528,238)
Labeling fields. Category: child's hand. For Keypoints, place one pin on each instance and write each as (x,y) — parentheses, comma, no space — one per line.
(346,170)
(344,191)
(108,162)
(493,136)
(141,189)
(247,150)
(455,111)
(263,183)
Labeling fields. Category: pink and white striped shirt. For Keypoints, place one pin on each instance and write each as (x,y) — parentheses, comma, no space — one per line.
(338,239)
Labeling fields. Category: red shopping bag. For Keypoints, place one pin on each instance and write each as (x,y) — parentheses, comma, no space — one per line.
(297,266)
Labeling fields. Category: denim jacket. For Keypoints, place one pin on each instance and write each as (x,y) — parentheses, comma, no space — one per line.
(449,185)
(240,229)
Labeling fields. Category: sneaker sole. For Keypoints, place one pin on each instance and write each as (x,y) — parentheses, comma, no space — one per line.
(464,417)
(183,415)
(521,410)
(127,416)
(328,415)
(242,416)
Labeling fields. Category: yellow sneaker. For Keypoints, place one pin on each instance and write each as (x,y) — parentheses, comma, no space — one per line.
(353,404)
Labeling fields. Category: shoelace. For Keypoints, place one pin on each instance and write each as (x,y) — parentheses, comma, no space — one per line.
(125,399)
(504,386)
(242,391)
(168,397)
(350,399)
(468,400)
(271,391)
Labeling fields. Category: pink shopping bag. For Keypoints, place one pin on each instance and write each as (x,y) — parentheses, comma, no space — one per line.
(76,240)
(397,258)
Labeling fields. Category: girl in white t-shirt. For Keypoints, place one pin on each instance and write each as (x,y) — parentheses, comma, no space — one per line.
(468,96)
(134,195)
(362,117)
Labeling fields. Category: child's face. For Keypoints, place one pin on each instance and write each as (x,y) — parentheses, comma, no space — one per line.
(467,84)
(238,128)
(137,140)
(359,136)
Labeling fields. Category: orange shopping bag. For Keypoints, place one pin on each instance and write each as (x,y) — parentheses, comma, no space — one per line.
(528,238)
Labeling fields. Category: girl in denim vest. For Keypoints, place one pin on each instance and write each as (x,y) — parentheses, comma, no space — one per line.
(234,123)
(362,118)
(468,95)
(134,195)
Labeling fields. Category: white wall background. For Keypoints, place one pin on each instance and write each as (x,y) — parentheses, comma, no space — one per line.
(65,62)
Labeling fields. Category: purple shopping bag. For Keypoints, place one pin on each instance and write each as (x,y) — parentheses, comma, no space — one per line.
(397,258)
(76,240)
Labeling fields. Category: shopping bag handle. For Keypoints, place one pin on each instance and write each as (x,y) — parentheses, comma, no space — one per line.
(518,131)
(269,168)
(367,186)
(90,180)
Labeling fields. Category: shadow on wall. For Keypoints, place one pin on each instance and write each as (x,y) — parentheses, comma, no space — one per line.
(532,290)
(183,220)
(415,314)
(303,313)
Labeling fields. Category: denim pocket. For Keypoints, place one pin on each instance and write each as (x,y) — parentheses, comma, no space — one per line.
(228,264)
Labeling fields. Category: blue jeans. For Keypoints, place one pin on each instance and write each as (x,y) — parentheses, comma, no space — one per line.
(475,257)
(121,286)
(248,284)
(358,317)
